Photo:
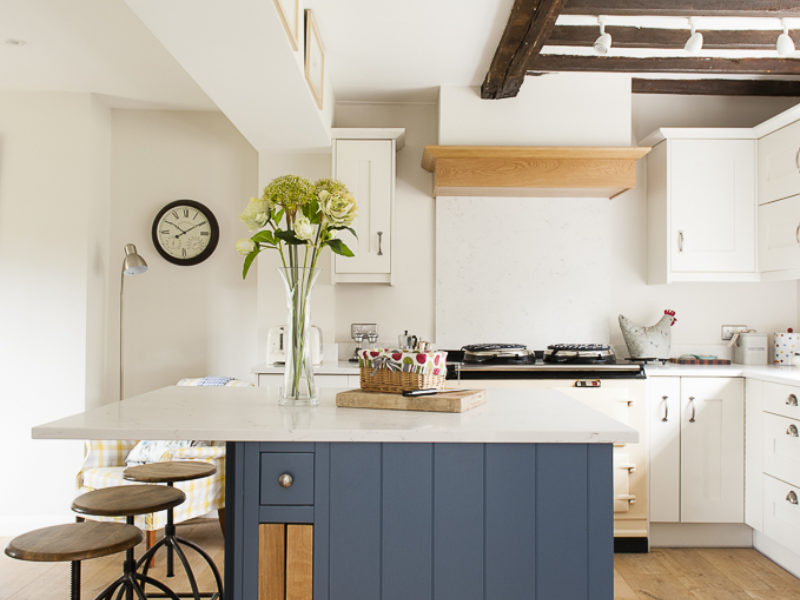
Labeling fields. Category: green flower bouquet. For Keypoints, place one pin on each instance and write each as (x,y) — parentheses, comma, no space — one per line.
(298,219)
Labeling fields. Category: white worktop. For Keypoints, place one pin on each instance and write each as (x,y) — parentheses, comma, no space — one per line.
(253,414)
(342,367)
(773,373)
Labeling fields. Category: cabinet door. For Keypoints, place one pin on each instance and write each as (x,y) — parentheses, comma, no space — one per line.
(779,235)
(366,167)
(712,205)
(753,454)
(778,167)
(664,419)
(712,450)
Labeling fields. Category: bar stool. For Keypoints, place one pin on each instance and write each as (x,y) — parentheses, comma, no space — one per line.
(169,472)
(75,542)
(128,501)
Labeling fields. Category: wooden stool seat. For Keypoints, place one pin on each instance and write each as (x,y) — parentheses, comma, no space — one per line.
(74,541)
(128,500)
(170,471)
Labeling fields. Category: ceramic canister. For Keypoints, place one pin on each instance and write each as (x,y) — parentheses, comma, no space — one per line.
(785,346)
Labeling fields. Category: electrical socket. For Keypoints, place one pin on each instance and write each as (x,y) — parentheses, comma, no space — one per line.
(728,331)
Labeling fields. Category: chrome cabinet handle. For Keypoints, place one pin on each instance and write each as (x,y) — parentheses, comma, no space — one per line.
(791,400)
(791,431)
(380,243)
(666,409)
(285,480)
(797,233)
(691,405)
(797,159)
(680,241)
(791,497)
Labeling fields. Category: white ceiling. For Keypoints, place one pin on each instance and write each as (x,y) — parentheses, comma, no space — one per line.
(94,46)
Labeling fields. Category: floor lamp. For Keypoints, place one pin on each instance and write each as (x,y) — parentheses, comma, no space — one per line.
(132,264)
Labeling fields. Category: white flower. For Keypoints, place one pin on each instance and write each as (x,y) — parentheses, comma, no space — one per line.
(256,213)
(303,228)
(339,209)
(245,246)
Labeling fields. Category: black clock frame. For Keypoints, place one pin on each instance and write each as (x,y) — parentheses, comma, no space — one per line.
(212,244)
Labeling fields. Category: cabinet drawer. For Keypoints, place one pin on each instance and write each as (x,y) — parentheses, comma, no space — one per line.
(782,512)
(782,399)
(782,448)
(778,169)
(778,246)
(299,466)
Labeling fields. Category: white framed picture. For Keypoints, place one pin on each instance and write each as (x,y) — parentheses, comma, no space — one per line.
(289,12)
(314,59)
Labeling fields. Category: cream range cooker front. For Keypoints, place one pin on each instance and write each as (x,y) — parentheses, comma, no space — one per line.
(618,390)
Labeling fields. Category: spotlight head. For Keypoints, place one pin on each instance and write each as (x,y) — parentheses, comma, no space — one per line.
(695,43)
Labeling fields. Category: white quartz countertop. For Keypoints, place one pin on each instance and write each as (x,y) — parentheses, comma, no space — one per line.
(342,367)
(253,414)
(773,373)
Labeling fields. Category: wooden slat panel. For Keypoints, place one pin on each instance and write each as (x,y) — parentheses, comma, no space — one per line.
(600,517)
(693,64)
(271,561)
(355,520)
(510,521)
(458,522)
(697,8)
(561,521)
(407,521)
(299,562)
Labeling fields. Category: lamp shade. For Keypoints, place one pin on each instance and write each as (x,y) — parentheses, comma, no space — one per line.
(133,264)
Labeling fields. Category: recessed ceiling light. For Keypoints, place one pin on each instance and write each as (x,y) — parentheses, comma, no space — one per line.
(15,42)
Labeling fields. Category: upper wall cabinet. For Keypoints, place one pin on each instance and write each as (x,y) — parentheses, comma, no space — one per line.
(779,164)
(701,193)
(364,160)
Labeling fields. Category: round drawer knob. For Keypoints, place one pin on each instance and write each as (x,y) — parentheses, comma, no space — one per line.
(791,400)
(791,497)
(792,431)
(285,480)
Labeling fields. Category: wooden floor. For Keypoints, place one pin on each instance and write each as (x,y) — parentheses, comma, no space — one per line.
(663,574)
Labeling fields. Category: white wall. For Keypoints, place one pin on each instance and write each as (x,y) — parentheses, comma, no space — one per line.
(563,109)
(53,217)
(179,321)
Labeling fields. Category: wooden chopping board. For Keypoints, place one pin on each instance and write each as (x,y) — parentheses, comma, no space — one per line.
(451,402)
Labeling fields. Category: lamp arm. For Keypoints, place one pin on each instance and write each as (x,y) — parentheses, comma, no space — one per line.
(121,290)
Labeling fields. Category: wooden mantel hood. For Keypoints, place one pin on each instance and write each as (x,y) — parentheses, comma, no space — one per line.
(543,171)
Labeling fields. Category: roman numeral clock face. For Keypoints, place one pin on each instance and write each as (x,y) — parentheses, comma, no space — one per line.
(185,232)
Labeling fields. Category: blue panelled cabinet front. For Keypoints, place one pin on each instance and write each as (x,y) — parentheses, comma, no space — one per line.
(401,521)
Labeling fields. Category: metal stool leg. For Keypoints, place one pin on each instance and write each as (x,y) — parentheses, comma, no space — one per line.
(75,580)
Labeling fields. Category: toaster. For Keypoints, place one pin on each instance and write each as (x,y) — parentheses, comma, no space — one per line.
(276,345)
(750,349)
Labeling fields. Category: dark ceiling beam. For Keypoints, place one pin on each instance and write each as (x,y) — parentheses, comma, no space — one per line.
(641,37)
(716,87)
(696,64)
(696,8)
(528,26)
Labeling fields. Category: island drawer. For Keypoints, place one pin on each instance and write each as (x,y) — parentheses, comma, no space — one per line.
(287,478)
(782,399)
(782,512)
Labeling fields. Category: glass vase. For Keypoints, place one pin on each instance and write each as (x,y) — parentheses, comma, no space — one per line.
(299,387)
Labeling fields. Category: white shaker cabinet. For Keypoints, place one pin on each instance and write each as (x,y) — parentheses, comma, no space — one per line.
(664,420)
(364,160)
(696,449)
(712,450)
(701,192)
(779,239)
(779,164)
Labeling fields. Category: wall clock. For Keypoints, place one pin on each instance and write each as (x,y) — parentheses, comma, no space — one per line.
(185,232)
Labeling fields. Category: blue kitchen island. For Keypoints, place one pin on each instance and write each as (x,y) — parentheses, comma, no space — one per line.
(511,500)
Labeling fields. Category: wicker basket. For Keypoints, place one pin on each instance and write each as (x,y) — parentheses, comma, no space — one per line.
(385,380)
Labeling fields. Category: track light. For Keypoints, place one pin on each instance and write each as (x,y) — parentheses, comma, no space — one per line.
(695,42)
(603,43)
(785,44)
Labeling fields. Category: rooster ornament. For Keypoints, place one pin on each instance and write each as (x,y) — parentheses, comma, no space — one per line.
(647,343)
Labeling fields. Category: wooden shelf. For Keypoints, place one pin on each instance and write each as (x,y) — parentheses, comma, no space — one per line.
(542,171)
